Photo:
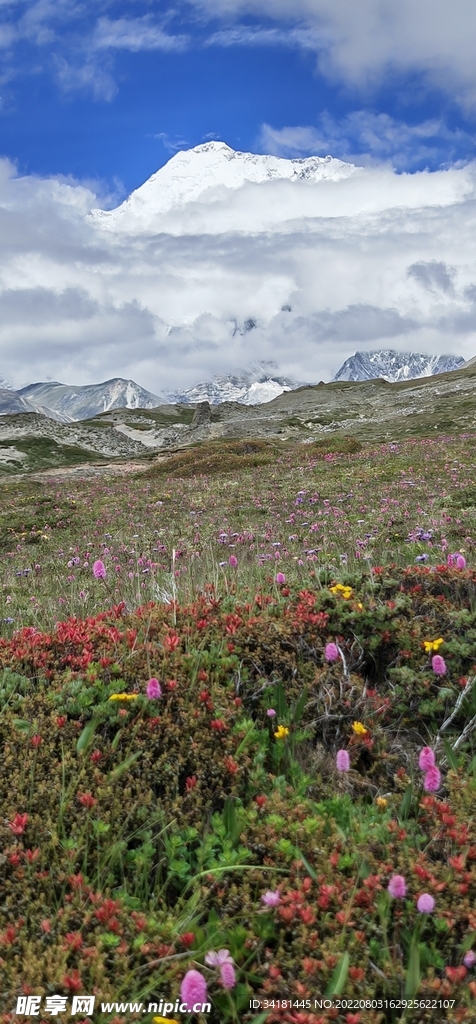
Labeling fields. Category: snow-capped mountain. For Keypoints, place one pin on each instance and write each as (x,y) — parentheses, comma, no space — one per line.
(248,387)
(84,402)
(214,165)
(394,366)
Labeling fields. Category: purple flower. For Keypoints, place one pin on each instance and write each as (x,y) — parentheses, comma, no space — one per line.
(432,780)
(426,903)
(331,652)
(342,761)
(154,689)
(99,570)
(426,759)
(233,561)
(271,713)
(422,558)
(397,886)
(193,989)
(280,577)
(469,959)
(271,899)
(438,665)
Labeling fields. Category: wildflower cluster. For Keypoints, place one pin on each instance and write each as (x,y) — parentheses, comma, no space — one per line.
(227,782)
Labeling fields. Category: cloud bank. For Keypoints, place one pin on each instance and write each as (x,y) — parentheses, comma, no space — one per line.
(374,260)
(361,43)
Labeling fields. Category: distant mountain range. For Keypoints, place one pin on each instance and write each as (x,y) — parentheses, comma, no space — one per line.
(260,384)
(69,403)
(395,366)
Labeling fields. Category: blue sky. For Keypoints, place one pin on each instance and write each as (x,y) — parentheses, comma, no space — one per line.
(109,90)
(97,95)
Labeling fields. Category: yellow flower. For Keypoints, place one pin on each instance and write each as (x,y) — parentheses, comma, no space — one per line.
(123,696)
(381,802)
(345,592)
(433,645)
(359,729)
(281,732)
(164,1020)
(360,606)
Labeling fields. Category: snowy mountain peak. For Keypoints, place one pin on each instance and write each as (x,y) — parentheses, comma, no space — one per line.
(395,366)
(213,165)
(259,384)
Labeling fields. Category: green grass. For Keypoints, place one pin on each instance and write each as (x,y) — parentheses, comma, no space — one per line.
(45,453)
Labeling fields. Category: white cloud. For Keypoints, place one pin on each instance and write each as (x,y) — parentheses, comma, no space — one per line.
(7,35)
(79,41)
(361,42)
(90,76)
(246,35)
(364,136)
(171,145)
(135,34)
(373,260)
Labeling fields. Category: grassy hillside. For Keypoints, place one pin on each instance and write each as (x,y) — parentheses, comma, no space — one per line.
(217,678)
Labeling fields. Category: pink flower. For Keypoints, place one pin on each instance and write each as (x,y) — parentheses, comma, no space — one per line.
(271,713)
(397,886)
(280,577)
(233,561)
(426,759)
(457,561)
(99,570)
(432,780)
(154,689)
(227,975)
(217,959)
(271,899)
(342,761)
(438,665)
(426,903)
(469,958)
(224,961)
(331,652)
(193,990)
